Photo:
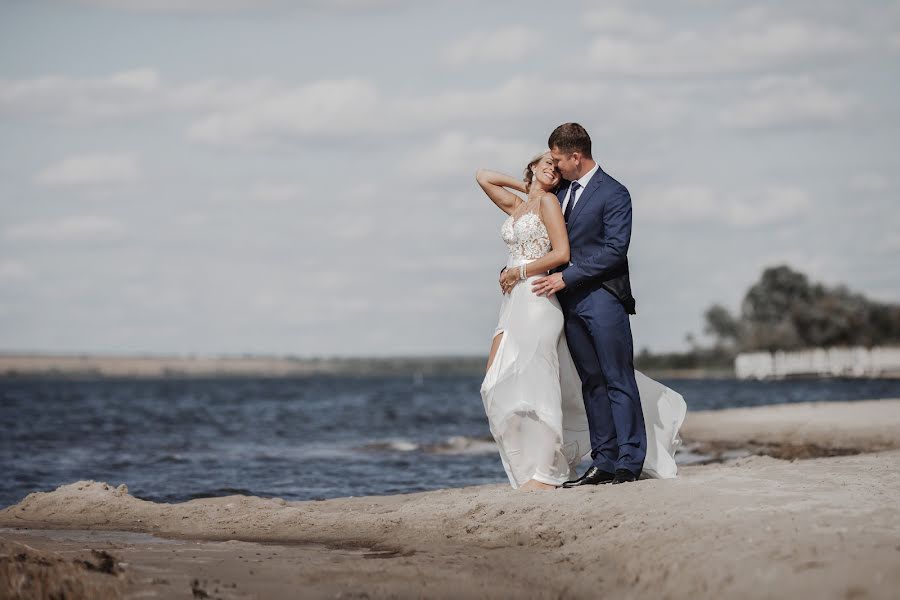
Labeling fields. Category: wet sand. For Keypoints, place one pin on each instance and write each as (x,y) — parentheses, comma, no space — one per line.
(824,526)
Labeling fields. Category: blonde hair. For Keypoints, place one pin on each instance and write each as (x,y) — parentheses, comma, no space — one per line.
(529,174)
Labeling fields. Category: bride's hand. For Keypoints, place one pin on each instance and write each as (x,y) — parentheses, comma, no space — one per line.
(508,280)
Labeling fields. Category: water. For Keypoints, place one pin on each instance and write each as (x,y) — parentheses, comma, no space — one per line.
(298,439)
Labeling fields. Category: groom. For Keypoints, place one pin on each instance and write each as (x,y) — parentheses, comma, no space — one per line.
(596,301)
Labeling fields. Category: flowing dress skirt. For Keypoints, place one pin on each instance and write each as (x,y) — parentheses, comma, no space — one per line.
(533,401)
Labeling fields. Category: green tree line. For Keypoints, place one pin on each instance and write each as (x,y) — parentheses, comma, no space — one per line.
(784,310)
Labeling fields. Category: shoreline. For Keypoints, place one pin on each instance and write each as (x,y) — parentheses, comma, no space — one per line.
(754,526)
(23,365)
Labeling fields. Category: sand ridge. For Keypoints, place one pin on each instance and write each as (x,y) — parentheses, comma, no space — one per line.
(813,526)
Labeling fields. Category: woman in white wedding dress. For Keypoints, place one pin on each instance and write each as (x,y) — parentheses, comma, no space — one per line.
(531,390)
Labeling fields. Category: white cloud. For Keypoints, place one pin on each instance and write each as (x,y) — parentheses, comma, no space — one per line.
(618,19)
(254,113)
(748,42)
(356,108)
(192,220)
(869,182)
(748,208)
(166,6)
(12,271)
(894,42)
(81,99)
(125,94)
(325,108)
(77,229)
(768,206)
(276,192)
(622,105)
(91,169)
(232,113)
(457,155)
(215,6)
(503,45)
(258,112)
(144,79)
(891,243)
(510,98)
(780,101)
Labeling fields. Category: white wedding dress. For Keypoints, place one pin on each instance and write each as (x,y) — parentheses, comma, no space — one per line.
(532,392)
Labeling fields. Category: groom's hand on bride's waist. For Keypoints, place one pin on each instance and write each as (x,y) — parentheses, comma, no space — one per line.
(549,285)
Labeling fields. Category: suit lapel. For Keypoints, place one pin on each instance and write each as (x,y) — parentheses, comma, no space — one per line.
(585,197)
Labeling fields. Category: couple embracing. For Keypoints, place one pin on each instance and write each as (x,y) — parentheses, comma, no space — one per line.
(560,382)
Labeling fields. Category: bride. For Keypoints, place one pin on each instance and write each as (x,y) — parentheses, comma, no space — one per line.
(531,390)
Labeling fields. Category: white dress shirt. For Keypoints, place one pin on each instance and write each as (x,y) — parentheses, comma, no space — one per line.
(582,181)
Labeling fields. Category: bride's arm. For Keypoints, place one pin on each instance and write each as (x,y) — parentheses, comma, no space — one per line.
(551,214)
(494,185)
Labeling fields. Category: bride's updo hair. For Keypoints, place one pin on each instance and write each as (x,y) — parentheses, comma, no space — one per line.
(529,175)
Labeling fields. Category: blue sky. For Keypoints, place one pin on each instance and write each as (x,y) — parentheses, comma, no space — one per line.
(297,177)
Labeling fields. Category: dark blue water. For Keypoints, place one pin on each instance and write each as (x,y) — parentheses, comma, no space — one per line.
(319,437)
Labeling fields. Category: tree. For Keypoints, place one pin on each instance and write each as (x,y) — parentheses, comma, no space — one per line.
(722,326)
(785,311)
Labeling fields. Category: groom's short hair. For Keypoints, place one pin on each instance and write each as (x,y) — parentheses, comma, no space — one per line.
(571,137)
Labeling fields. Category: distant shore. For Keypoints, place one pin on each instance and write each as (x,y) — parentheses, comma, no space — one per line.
(159,366)
(820,522)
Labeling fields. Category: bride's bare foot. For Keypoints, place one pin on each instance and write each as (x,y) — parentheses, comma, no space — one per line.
(533,485)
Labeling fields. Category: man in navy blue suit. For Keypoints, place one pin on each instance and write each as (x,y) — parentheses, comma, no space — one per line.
(594,291)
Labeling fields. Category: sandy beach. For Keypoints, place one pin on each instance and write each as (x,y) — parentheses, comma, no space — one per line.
(808,511)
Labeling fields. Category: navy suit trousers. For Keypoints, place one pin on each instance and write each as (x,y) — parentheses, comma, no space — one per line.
(599,336)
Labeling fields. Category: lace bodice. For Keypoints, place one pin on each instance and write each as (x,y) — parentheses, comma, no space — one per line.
(526,236)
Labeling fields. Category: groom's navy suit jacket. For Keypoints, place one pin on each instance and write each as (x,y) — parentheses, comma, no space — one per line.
(599,230)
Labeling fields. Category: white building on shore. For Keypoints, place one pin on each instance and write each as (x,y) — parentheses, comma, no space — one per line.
(881,361)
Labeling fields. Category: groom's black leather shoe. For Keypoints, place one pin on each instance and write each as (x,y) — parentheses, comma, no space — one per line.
(592,476)
(623,476)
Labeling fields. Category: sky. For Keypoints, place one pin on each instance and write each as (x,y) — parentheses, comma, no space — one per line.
(297,178)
